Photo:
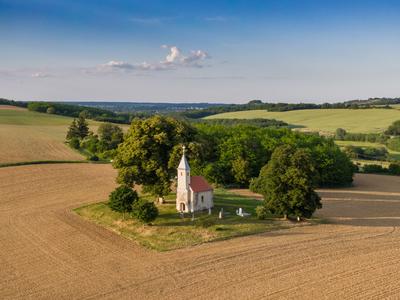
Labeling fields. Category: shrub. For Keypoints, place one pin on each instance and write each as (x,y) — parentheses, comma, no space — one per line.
(394,168)
(94,158)
(122,199)
(373,168)
(74,143)
(394,129)
(394,144)
(262,212)
(51,110)
(255,185)
(145,211)
(340,134)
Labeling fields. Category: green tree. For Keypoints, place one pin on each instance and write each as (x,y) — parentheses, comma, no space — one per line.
(145,211)
(51,110)
(82,127)
(243,155)
(73,130)
(110,136)
(334,166)
(74,143)
(91,143)
(122,199)
(287,183)
(78,129)
(394,129)
(144,156)
(394,144)
(340,134)
(84,114)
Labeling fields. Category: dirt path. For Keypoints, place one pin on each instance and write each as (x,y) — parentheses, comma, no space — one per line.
(47,252)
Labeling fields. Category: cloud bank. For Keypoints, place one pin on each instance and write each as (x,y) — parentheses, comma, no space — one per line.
(174,59)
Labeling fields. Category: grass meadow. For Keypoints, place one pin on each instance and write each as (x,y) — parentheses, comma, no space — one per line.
(325,120)
(169,231)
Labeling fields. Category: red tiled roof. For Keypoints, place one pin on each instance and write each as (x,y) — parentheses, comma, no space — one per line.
(199,184)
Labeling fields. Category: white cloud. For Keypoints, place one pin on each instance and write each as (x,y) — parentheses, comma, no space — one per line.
(173,60)
(119,65)
(174,54)
(40,75)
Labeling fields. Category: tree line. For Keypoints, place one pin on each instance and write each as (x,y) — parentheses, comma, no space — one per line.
(102,145)
(390,137)
(281,107)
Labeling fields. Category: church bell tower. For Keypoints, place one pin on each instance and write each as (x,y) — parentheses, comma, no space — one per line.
(182,190)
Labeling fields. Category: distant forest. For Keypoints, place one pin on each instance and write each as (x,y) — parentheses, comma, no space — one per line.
(125,112)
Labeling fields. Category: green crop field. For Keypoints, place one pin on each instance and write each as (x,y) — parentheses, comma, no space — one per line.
(325,120)
(18,116)
(393,155)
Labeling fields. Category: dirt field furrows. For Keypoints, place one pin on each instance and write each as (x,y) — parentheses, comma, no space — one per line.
(47,252)
(20,143)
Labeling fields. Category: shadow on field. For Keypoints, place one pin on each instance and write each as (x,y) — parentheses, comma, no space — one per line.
(369,222)
(361,210)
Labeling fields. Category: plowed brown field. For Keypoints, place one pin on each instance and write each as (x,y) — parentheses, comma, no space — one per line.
(29,136)
(48,252)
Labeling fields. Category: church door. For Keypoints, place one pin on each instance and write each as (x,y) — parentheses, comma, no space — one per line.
(183,207)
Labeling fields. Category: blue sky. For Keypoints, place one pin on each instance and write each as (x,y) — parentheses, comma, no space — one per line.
(208,51)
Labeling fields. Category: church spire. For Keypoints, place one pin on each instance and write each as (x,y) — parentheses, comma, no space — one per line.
(184,165)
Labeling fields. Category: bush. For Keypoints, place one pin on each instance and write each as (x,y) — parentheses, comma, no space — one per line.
(394,129)
(255,185)
(204,222)
(394,169)
(94,158)
(394,144)
(374,169)
(262,212)
(51,110)
(74,143)
(340,134)
(122,199)
(145,211)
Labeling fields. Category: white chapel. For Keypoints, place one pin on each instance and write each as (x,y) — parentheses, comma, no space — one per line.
(193,193)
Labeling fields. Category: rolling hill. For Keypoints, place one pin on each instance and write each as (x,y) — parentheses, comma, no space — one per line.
(31,136)
(325,120)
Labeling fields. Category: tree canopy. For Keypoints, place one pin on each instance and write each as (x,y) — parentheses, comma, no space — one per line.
(122,199)
(287,183)
(78,129)
(144,156)
(394,129)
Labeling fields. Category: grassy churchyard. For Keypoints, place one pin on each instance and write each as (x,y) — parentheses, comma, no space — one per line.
(169,231)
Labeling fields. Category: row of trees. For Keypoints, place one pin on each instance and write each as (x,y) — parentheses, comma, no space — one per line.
(342,135)
(103,144)
(390,138)
(367,153)
(75,111)
(258,104)
(392,169)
